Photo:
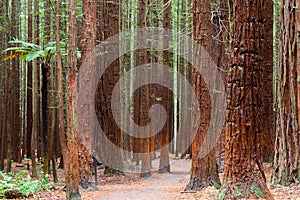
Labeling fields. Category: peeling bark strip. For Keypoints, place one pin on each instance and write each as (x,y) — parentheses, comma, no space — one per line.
(287,128)
(243,167)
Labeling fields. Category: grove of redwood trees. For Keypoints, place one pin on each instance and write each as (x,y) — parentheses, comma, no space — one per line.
(45,45)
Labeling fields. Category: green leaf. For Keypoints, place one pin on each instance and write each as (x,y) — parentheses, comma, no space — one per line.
(158,98)
(18,49)
(33,55)
(25,44)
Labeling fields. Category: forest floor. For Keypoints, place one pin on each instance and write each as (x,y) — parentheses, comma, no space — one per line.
(158,187)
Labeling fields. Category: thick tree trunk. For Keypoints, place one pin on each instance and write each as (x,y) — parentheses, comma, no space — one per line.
(204,170)
(109,26)
(243,167)
(286,160)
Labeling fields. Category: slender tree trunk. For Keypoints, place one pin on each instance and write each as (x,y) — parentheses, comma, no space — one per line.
(164,162)
(29,86)
(46,93)
(60,106)
(16,121)
(243,167)
(69,140)
(3,45)
(34,120)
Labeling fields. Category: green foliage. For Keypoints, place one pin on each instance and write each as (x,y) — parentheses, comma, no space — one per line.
(236,192)
(158,98)
(216,184)
(222,193)
(213,5)
(20,184)
(257,191)
(27,159)
(29,51)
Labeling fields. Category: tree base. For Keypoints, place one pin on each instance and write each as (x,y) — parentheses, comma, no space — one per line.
(245,190)
(145,175)
(197,184)
(111,171)
(74,196)
(164,170)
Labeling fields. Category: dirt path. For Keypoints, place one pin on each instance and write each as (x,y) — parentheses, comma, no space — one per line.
(159,187)
(167,187)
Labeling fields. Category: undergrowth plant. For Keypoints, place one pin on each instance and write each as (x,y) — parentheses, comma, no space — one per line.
(20,184)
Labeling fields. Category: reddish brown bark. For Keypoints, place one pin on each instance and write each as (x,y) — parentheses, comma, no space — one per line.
(243,167)
(267,138)
(87,44)
(204,170)
(27,138)
(167,101)
(108,15)
(286,160)
(69,140)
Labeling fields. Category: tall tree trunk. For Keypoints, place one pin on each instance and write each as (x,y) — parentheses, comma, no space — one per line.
(243,167)
(167,98)
(69,140)
(204,171)
(34,119)
(3,45)
(29,86)
(87,45)
(60,106)
(16,121)
(221,59)
(109,13)
(286,160)
(46,93)
(267,138)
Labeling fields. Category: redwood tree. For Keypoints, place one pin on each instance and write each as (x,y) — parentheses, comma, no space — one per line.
(69,140)
(87,44)
(286,160)
(243,171)
(204,170)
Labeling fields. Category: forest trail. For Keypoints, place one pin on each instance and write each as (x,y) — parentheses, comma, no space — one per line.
(159,187)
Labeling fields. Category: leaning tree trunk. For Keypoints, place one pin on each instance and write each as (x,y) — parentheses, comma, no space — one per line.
(243,167)
(286,161)
(204,170)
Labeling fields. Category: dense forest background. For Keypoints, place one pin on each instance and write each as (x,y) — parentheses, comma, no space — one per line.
(253,43)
